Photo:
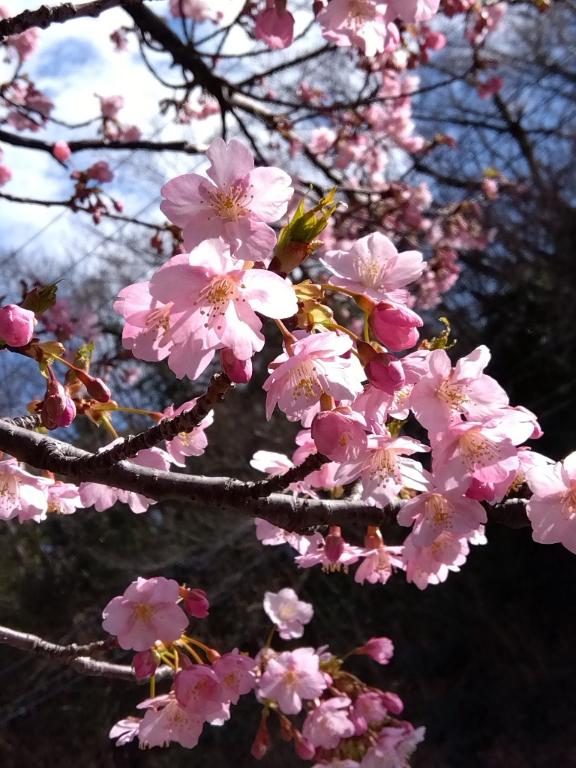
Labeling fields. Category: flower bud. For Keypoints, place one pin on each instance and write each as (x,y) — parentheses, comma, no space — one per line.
(385,372)
(392,702)
(195,602)
(238,371)
(58,409)
(96,387)
(338,436)
(262,742)
(61,151)
(394,325)
(334,544)
(16,325)
(144,663)
(381,649)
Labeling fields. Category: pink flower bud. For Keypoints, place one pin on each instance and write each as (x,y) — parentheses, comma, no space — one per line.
(5,175)
(303,747)
(275,28)
(144,663)
(392,702)
(338,436)
(381,649)
(61,151)
(394,325)
(385,372)
(334,546)
(96,387)
(16,325)
(262,742)
(238,371)
(196,603)
(58,410)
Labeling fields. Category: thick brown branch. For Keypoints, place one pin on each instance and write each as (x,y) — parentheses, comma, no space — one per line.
(46,15)
(74,655)
(293,514)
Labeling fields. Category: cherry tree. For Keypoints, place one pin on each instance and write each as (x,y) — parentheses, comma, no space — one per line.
(309,251)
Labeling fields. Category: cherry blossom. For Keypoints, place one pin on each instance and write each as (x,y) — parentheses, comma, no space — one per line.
(165,721)
(198,690)
(146,612)
(22,495)
(63,498)
(236,202)
(361,23)
(314,365)
(328,723)
(290,677)
(381,649)
(288,613)
(383,468)
(102,497)
(445,394)
(374,267)
(187,443)
(552,508)
(235,671)
(215,300)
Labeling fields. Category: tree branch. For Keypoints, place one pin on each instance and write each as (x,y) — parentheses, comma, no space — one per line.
(165,430)
(83,145)
(46,15)
(74,655)
(226,493)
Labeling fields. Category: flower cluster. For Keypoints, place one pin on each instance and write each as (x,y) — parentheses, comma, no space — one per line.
(151,618)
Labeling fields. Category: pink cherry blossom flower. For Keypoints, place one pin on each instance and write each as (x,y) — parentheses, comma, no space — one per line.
(432,564)
(22,495)
(145,613)
(484,451)
(378,564)
(361,23)
(238,371)
(552,507)
(63,498)
(111,105)
(316,364)
(102,497)
(271,463)
(187,443)
(384,470)
(273,536)
(441,509)
(290,677)
(100,171)
(444,394)
(199,691)
(236,202)
(386,372)
(216,301)
(166,721)
(275,25)
(414,10)
(125,731)
(235,672)
(374,267)
(368,711)
(394,747)
(328,723)
(287,612)
(222,12)
(318,553)
(16,325)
